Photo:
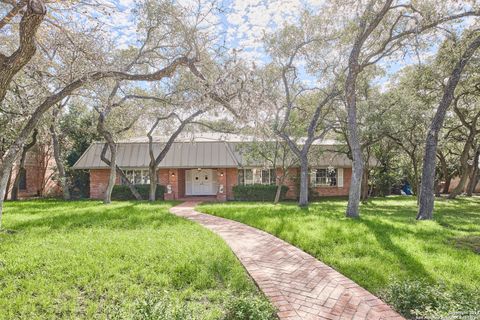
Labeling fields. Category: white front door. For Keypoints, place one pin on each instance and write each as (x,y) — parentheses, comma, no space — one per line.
(202,182)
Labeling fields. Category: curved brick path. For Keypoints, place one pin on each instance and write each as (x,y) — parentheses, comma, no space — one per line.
(300,286)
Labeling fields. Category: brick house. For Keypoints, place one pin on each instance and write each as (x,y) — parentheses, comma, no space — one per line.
(211,165)
(37,177)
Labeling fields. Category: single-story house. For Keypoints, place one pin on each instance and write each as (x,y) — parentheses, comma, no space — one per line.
(211,165)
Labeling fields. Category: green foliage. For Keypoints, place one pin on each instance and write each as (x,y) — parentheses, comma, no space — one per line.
(386,243)
(420,299)
(257,192)
(249,308)
(122,192)
(167,306)
(158,306)
(78,128)
(127,260)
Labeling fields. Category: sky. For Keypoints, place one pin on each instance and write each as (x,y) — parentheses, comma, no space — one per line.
(243,23)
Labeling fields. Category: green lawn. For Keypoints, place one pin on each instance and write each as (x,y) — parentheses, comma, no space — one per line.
(126,260)
(385,245)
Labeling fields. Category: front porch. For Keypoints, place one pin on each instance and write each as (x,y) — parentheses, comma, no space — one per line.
(206,183)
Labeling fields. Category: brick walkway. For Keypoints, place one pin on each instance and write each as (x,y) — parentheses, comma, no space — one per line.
(300,286)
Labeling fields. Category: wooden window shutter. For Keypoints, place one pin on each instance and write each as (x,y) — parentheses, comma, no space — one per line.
(340,177)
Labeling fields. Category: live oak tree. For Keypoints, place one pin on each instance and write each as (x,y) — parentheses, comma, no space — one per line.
(378,30)
(426,202)
(301,111)
(81,68)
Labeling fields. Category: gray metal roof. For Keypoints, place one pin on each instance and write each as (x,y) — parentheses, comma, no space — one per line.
(212,154)
(180,155)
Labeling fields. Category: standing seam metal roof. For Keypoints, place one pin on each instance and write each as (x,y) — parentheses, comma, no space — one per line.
(204,154)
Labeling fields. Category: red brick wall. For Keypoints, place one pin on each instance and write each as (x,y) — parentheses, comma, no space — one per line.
(232,180)
(40,171)
(181,183)
(162,176)
(291,181)
(98,182)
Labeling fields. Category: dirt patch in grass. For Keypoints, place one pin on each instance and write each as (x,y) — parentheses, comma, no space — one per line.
(468,242)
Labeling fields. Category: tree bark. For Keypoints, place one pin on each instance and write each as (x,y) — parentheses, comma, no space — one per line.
(278,193)
(354,69)
(8,185)
(10,66)
(354,193)
(57,154)
(303,196)
(16,182)
(364,196)
(474,177)
(427,197)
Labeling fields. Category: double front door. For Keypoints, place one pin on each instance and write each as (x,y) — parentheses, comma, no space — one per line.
(201,182)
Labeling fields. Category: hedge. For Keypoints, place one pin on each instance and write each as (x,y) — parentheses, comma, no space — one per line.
(122,192)
(257,192)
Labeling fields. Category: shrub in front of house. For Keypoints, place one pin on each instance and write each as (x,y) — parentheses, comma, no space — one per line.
(257,192)
(122,192)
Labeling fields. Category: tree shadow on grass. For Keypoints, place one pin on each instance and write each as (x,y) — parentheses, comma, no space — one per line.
(116,216)
(382,233)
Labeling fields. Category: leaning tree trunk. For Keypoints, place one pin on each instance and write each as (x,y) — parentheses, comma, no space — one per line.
(16,182)
(4,169)
(112,162)
(60,167)
(427,197)
(113,174)
(303,196)
(278,193)
(461,184)
(155,161)
(465,168)
(8,185)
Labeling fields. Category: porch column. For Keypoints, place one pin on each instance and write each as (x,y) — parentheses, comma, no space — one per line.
(222,184)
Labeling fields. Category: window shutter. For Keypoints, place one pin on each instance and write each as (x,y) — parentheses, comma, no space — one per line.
(340,177)
(313,177)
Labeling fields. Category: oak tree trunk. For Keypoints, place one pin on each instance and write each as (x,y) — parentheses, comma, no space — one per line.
(303,196)
(474,176)
(354,193)
(427,197)
(278,193)
(153,182)
(16,182)
(8,186)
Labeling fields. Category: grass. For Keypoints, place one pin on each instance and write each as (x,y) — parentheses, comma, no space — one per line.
(126,260)
(384,245)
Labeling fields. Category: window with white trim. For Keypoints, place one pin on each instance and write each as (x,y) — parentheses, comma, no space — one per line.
(137,176)
(256,176)
(325,177)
